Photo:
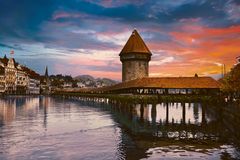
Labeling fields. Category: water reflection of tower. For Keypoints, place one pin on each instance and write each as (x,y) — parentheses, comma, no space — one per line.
(126,140)
(44,104)
(47,81)
(127,147)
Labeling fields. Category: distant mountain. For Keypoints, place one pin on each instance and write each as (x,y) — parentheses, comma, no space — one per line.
(106,81)
(90,81)
(84,78)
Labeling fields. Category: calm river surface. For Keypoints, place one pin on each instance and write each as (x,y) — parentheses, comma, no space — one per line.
(70,129)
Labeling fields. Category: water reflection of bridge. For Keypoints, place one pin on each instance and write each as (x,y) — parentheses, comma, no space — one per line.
(166,120)
(151,125)
(184,120)
(171,112)
(171,120)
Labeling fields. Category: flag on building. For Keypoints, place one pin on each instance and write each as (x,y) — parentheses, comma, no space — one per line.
(12,52)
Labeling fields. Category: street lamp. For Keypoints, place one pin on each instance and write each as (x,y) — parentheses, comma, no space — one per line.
(223,68)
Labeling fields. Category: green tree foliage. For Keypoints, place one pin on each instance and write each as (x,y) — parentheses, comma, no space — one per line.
(231,82)
(58,80)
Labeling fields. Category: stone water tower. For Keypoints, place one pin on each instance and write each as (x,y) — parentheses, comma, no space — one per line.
(135,57)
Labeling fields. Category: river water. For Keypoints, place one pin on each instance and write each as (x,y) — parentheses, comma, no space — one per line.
(71,129)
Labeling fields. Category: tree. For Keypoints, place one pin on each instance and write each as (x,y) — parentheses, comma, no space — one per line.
(231,82)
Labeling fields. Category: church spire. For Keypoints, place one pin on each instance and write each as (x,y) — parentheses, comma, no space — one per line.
(46,72)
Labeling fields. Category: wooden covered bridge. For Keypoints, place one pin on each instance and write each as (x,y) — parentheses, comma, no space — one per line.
(158,86)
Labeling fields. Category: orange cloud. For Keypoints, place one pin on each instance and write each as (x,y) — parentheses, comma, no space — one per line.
(199,49)
(192,49)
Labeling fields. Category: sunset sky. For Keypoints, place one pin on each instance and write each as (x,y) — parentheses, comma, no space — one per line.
(86,36)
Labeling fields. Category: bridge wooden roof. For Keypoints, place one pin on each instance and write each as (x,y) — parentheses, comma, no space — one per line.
(135,44)
(157,83)
(169,82)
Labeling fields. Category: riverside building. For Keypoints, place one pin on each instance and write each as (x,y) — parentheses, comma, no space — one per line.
(17,79)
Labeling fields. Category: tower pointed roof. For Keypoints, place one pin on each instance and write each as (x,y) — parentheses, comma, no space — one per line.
(135,44)
(46,72)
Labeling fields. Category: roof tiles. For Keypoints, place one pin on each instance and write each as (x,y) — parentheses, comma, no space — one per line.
(169,82)
(135,44)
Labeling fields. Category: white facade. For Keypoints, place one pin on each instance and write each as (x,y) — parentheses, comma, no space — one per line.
(22,81)
(80,84)
(22,77)
(33,86)
(67,85)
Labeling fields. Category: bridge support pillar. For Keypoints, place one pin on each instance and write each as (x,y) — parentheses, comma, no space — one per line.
(154,113)
(167,113)
(183,113)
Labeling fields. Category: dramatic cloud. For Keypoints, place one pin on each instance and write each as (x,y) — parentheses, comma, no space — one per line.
(86,36)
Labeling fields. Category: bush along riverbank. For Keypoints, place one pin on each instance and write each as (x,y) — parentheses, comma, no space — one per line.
(136,99)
